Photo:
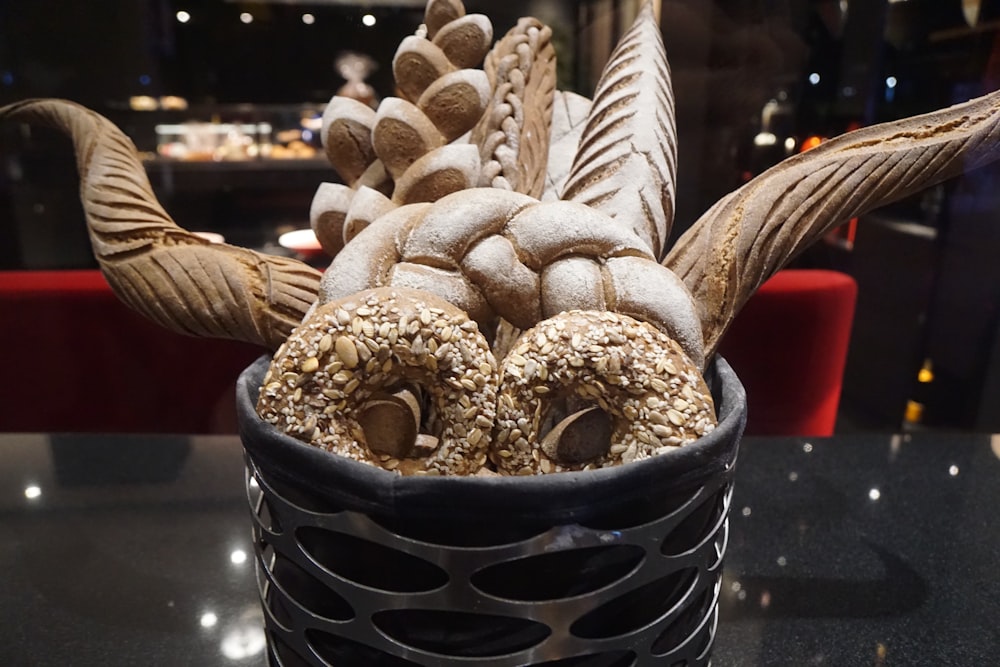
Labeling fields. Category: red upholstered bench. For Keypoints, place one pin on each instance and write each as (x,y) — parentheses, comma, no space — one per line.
(75,359)
(789,345)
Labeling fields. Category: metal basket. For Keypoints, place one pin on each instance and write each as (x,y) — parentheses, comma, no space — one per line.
(619,566)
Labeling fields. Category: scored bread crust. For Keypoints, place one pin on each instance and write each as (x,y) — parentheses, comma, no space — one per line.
(626,161)
(174,277)
(753,232)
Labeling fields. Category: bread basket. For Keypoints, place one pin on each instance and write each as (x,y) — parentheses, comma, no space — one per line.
(615,566)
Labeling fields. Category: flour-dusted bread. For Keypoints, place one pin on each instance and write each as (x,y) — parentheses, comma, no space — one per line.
(465,40)
(328,214)
(175,278)
(626,165)
(402,134)
(366,205)
(500,254)
(417,64)
(438,13)
(347,137)
(753,232)
(439,173)
(456,101)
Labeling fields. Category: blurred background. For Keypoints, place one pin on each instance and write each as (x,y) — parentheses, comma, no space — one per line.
(223,100)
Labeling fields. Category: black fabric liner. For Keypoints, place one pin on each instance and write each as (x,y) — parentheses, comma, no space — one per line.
(558,498)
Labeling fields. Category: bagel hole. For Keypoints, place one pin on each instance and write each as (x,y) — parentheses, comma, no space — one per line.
(400,421)
(574,430)
(560,406)
(430,427)
(389,426)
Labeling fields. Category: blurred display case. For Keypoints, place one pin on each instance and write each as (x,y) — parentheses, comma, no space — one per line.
(199,141)
(247,172)
(238,133)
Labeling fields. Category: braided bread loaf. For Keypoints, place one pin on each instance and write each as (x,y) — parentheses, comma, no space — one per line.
(499,254)
(513,135)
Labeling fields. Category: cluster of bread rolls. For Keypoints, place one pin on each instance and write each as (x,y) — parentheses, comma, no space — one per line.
(405,151)
(588,382)
(500,300)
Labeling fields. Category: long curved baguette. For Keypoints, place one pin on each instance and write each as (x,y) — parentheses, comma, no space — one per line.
(753,232)
(626,162)
(174,277)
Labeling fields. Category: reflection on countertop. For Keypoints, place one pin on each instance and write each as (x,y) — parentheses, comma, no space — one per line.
(853,550)
(863,550)
(127,550)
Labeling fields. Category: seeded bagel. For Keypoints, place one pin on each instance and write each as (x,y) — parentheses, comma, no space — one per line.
(358,349)
(652,394)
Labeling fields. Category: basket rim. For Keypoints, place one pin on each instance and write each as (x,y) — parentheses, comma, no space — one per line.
(357,486)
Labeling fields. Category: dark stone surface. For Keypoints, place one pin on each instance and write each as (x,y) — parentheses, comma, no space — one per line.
(123,567)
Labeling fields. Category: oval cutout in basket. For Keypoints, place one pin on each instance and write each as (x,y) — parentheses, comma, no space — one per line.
(637,608)
(336,650)
(700,525)
(560,574)
(295,585)
(460,634)
(369,564)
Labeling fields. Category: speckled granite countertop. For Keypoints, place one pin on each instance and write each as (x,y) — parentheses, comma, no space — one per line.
(858,550)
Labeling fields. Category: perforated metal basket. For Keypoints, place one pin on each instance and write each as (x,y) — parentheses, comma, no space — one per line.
(621,566)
